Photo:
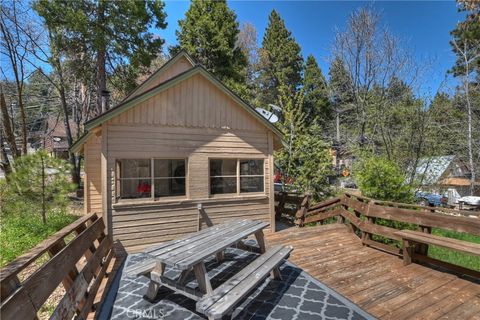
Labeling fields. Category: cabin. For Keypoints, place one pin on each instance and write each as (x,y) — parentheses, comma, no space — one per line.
(181,140)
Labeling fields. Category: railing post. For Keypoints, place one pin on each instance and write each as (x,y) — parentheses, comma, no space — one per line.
(281,204)
(422,248)
(302,211)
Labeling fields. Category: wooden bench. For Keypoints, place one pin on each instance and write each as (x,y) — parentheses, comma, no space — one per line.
(223,299)
(141,269)
(411,238)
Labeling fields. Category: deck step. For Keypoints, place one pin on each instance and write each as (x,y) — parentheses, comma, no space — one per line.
(141,268)
(225,297)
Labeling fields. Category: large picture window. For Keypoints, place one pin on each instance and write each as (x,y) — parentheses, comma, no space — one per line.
(150,178)
(236,176)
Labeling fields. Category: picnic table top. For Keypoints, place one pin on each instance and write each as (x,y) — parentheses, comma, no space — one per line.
(185,252)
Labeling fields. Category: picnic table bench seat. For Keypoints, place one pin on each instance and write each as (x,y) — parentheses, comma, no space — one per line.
(222,300)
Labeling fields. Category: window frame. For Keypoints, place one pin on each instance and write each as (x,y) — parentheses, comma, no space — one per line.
(152,179)
(237,176)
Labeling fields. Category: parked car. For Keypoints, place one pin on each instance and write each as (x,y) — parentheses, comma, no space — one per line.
(431,199)
(470,200)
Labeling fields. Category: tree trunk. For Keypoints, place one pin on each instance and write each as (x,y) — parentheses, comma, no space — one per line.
(23,116)
(469,137)
(7,126)
(44,207)
(75,171)
(101,57)
(4,161)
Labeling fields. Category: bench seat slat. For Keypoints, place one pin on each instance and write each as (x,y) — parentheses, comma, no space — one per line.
(141,268)
(226,296)
(454,244)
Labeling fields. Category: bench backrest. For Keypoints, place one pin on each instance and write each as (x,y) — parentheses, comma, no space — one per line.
(78,257)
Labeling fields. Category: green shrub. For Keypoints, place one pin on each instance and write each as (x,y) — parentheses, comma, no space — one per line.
(382,179)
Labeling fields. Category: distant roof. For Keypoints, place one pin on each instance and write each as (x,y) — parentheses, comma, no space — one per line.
(56,127)
(432,168)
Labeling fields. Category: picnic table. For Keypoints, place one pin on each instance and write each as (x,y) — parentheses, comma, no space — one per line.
(189,253)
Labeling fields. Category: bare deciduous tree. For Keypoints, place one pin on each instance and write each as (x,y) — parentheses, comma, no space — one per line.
(466,83)
(373,59)
(15,47)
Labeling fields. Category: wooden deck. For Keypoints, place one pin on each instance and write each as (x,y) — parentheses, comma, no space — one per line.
(377,281)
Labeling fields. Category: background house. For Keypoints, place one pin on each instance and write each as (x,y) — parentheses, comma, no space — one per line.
(180,139)
(54,137)
(437,174)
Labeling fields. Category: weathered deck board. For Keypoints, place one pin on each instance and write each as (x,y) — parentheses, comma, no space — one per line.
(378,282)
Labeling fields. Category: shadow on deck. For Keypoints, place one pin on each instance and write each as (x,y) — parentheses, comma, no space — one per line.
(377,281)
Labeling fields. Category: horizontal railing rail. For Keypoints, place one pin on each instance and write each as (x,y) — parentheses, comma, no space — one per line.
(79,257)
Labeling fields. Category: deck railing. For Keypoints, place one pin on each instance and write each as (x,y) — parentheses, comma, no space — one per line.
(372,221)
(78,256)
(292,205)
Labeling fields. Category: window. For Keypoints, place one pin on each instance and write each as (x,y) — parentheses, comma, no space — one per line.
(136,179)
(236,176)
(169,177)
(251,175)
(223,176)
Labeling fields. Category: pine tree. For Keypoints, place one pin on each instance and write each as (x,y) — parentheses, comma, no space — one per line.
(305,161)
(316,104)
(209,33)
(116,33)
(281,61)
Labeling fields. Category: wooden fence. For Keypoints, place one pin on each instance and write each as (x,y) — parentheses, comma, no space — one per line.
(292,205)
(78,256)
(363,216)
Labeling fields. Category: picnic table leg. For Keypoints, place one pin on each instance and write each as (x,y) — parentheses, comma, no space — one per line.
(261,243)
(202,278)
(183,276)
(154,284)
(220,256)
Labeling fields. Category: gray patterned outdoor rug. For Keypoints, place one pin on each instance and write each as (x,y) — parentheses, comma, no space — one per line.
(297,296)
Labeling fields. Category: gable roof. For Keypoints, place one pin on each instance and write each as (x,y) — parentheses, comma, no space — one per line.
(133,101)
(432,168)
(153,76)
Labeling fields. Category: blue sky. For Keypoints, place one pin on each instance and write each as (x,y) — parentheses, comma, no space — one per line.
(424,26)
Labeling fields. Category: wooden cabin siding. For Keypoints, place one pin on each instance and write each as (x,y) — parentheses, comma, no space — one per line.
(180,66)
(92,180)
(138,227)
(195,102)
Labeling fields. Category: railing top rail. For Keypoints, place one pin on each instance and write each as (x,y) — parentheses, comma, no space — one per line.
(414,206)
